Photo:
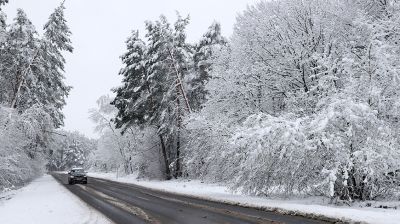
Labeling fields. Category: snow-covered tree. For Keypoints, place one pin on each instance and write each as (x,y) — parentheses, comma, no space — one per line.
(56,41)
(135,91)
(3,2)
(19,60)
(2,27)
(134,152)
(299,80)
(32,68)
(210,43)
(153,93)
(32,93)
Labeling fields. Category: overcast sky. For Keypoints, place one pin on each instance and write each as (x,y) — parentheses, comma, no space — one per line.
(100,29)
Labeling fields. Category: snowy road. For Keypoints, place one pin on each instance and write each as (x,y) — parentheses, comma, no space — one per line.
(127,203)
(44,201)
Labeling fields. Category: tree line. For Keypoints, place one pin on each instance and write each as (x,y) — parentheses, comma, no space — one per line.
(32,95)
(303,99)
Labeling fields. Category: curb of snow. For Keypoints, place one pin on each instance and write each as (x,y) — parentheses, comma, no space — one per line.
(78,199)
(277,210)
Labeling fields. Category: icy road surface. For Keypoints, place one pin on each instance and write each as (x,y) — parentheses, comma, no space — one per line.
(128,203)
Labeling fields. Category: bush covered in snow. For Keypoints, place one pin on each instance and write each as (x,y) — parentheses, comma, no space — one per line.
(21,146)
(358,151)
(304,100)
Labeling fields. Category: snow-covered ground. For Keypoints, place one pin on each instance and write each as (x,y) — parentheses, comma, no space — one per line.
(46,201)
(309,207)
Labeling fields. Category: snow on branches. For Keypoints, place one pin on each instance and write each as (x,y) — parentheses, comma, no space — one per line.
(304,100)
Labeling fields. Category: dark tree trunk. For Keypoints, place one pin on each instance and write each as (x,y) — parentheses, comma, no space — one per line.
(178,170)
(164,154)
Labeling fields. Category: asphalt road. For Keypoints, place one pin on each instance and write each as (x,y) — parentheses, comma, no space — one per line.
(127,203)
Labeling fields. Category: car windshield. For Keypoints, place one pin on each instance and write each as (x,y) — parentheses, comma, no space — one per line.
(77,171)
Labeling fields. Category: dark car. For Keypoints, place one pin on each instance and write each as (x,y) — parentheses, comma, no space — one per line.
(77,175)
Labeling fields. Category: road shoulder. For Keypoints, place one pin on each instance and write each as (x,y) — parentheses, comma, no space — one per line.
(46,201)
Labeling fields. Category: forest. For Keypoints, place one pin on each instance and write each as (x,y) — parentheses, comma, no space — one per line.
(302,100)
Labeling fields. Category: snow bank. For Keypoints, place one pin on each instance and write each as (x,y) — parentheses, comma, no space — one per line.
(311,207)
(46,201)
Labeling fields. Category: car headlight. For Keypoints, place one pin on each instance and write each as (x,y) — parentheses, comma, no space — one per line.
(71,176)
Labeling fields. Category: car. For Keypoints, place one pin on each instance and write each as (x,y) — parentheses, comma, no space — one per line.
(77,175)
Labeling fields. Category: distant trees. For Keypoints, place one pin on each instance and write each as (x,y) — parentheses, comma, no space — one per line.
(69,149)
(32,92)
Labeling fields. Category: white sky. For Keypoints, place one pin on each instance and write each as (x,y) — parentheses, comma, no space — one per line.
(100,29)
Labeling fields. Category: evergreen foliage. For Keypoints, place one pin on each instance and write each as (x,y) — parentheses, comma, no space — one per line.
(32,93)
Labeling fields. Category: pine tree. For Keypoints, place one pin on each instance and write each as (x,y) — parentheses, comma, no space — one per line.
(140,97)
(161,86)
(180,55)
(3,2)
(56,41)
(21,56)
(2,27)
(167,45)
(211,42)
(58,33)
(153,93)
(132,95)
(3,38)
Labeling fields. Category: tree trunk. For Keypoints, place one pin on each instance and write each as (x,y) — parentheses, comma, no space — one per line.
(17,91)
(178,171)
(304,79)
(179,82)
(259,93)
(22,80)
(164,154)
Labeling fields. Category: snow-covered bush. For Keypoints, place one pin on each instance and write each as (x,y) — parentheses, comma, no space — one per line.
(343,151)
(205,141)
(357,149)
(304,100)
(21,145)
(268,155)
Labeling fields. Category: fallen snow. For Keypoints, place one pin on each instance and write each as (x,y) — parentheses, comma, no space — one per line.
(313,206)
(46,201)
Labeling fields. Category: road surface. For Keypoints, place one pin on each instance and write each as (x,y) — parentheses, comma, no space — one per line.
(128,203)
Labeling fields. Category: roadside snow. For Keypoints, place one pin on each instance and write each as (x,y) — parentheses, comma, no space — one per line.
(312,206)
(45,201)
